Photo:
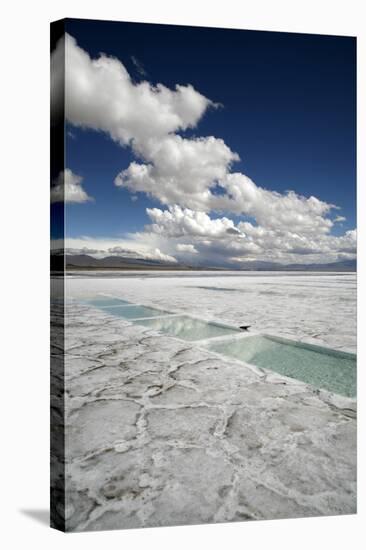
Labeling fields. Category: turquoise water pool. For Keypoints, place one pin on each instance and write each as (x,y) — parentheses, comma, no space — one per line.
(134,312)
(121,308)
(323,368)
(104,301)
(187,328)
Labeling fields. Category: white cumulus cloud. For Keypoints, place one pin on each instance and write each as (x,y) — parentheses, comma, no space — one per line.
(67,187)
(220,239)
(178,222)
(275,210)
(100,94)
(188,248)
(180,170)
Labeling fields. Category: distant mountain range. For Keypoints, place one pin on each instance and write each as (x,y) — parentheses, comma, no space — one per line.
(344,265)
(84,261)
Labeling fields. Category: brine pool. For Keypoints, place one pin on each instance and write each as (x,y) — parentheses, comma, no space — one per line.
(180,326)
(188,328)
(323,368)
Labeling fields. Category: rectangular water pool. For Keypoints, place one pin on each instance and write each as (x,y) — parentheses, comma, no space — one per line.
(187,328)
(134,311)
(105,301)
(326,369)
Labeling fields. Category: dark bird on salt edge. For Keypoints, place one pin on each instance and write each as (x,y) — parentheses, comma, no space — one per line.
(245,327)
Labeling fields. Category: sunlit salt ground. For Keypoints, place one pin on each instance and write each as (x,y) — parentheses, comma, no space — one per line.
(164,428)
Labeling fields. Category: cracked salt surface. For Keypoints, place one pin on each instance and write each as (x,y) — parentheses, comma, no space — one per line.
(162,432)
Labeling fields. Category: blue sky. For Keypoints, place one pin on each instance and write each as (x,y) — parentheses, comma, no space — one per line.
(286,107)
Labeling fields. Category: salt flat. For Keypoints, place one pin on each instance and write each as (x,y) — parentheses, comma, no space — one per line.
(161,431)
(317,308)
